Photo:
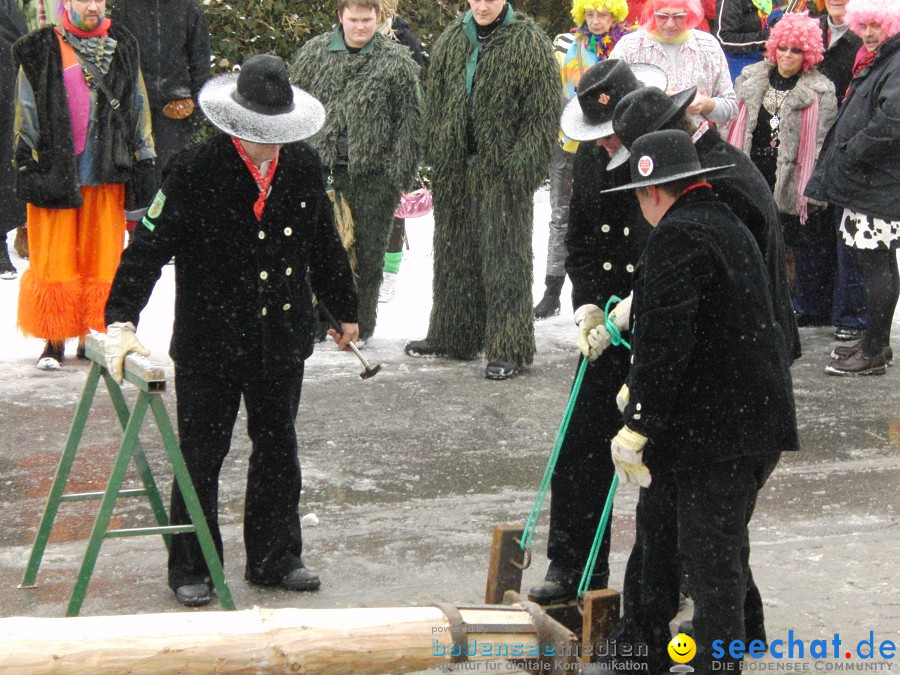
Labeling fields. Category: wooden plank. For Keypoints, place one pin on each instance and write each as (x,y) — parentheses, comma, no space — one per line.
(601,614)
(139,370)
(506,563)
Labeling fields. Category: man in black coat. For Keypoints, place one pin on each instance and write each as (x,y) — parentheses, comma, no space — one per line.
(604,241)
(245,214)
(174,43)
(12,210)
(709,395)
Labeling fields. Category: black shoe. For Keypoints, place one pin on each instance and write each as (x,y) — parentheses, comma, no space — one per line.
(839,353)
(845,334)
(858,364)
(422,349)
(549,304)
(52,356)
(81,354)
(301,579)
(550,592)
(500,370)
(7,269)
(194,595)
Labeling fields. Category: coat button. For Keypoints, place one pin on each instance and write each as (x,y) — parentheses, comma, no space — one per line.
(626,231)
(287,306)
(637,406)
(629,268)
(607,266)
(288,272)
(288,232)
(262,235)
(636,416)
(604,228)
(302,205)
(263,275)
(264,311)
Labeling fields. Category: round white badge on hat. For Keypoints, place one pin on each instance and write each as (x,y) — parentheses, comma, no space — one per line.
(645,165)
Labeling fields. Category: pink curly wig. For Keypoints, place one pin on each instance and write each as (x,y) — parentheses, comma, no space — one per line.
(886,13)
(797,30)
(692,7)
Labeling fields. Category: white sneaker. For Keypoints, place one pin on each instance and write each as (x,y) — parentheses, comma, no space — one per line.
(386,292)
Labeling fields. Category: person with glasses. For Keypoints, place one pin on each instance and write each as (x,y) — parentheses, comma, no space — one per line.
(785,109)
(669,38)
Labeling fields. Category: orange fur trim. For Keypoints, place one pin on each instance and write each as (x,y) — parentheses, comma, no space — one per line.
(96,291)
(49,310)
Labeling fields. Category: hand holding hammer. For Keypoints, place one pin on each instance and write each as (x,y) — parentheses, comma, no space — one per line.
(345,334)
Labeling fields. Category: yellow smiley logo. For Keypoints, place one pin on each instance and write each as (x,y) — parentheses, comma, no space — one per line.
(682,648)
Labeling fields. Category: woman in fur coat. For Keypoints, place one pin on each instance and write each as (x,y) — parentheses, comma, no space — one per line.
(492,112)
(785,109)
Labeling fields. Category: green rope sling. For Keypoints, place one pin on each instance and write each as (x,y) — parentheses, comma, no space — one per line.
(530,525)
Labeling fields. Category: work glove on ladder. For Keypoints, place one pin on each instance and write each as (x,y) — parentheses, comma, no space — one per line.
(627,450)
(598,338)
(120,341)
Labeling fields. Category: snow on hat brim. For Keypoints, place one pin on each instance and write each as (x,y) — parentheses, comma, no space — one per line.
(217,101)
(681,101)
(576,126)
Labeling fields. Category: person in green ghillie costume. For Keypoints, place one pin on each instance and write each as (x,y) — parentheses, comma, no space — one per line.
(370,88)
(492,112)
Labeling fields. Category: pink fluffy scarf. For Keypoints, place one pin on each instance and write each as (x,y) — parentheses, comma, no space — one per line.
(806,152)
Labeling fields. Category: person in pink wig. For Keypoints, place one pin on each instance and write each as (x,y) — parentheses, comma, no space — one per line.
(785,109)
(669,38)
(859,173)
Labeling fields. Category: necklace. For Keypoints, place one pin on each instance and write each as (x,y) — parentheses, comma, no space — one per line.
(772,102)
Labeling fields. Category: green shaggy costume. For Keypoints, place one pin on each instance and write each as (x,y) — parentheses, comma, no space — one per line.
(374,97)
(483,202)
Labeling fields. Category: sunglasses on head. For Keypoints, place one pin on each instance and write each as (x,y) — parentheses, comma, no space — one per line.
(792,50)
(662,17)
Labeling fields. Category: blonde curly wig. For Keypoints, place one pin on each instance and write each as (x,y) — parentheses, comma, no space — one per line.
(618,8)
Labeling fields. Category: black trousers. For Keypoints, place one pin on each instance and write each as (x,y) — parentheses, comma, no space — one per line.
(695,520)
(207,410)
(879,267)
(584,472)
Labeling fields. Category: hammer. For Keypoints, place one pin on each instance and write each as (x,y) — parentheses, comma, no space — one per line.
(370,371)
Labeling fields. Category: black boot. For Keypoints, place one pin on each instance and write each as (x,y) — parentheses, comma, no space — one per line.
(549,304)
(7,269)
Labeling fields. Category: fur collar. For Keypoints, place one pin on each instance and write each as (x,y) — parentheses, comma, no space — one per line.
(754,80)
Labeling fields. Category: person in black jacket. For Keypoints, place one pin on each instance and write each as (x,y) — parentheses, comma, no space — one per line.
(245,214)
(848,301)
(709,396)
(603,242)
(174,42)
(742,26)
(859,173)
(12,213)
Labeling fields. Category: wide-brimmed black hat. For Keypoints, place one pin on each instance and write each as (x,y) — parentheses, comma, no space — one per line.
(643,111)
(259,104)
(588,116)
(663,157)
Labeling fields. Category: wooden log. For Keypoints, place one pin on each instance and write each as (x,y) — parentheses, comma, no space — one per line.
(310,641)
(601,614)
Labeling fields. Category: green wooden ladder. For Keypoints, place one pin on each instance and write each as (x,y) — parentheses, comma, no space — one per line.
(151,383)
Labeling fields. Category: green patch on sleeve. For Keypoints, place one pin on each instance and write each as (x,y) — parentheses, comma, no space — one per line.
(156,208)
(148,223)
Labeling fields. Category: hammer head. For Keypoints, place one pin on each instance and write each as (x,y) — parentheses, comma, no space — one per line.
(370,372)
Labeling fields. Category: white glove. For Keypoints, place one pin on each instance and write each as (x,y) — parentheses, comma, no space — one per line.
(587,317)
(627,450)
(599,339)
(120,341)
(623,397)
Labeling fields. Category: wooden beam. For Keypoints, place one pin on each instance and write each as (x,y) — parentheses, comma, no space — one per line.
(506,563)
(601,614)
(311,641)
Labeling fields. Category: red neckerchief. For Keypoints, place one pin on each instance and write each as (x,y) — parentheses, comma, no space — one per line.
(100,31)
(262,182)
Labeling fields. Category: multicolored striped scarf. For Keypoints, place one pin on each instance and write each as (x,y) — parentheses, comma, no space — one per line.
(602,45)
